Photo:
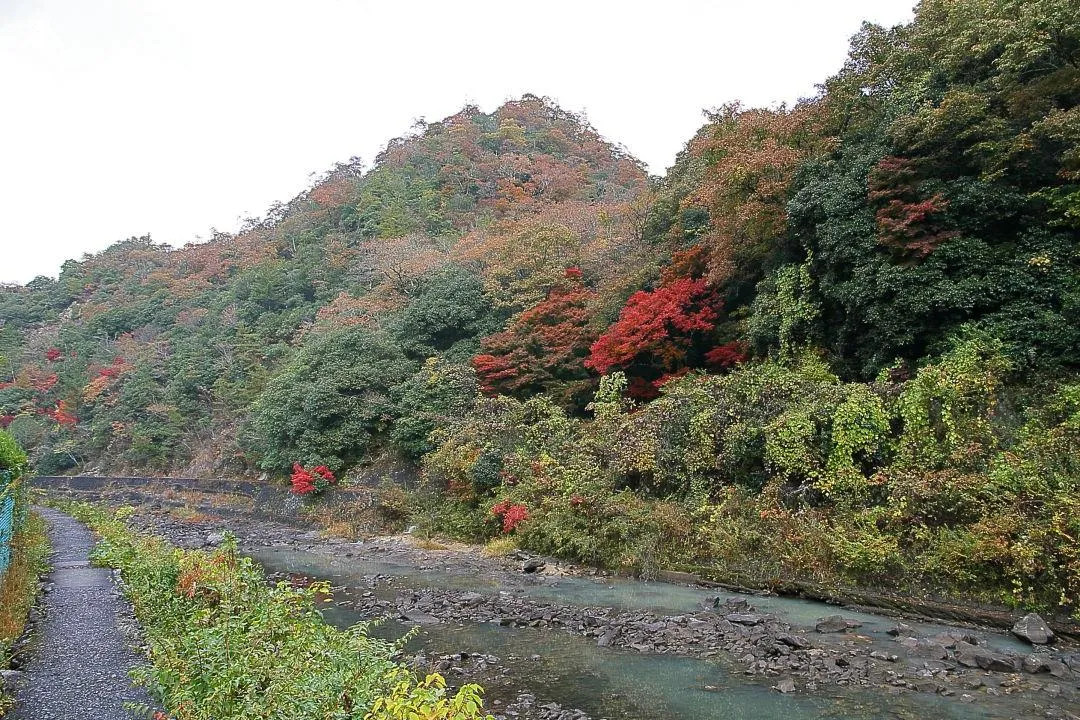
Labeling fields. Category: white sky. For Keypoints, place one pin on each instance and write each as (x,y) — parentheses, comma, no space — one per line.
(123,117)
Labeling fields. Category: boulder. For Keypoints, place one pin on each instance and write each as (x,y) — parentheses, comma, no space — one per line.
(971,656)
(215,538)
(472,599)
(1034,629)
(533,565)
(835,624)
(744,618)
(787,685)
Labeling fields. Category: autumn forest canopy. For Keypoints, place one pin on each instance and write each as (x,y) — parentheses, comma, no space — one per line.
(840,339)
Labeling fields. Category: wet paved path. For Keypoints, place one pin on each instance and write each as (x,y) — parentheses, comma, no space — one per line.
(79,659)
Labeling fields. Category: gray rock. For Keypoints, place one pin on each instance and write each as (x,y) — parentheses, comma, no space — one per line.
(999,663)
(971,656)
(1034,629)
(744,618)
(792,641)
(8,678)
(901,630)
(533,565)
(608,637)
(835,624)
(215,538)
(472,599)
(787,685)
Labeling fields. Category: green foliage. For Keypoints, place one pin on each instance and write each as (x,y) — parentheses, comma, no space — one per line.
(437,393)
(947,408)
(225,644)
(785,312)
(19,587)
(446,314)
(12,458)
(331,403)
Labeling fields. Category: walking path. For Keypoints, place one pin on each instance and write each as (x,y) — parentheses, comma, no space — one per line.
(79,659)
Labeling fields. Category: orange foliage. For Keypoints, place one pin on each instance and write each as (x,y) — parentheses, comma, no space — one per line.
(749,157)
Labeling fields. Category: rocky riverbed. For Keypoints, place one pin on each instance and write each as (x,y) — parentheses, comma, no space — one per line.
(834,652)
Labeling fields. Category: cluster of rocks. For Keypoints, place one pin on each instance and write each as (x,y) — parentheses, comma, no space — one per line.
(194,534)
(527,707)
(480,666)
(759,644)
(956,659)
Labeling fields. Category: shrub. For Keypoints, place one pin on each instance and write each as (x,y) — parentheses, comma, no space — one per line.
(225,645)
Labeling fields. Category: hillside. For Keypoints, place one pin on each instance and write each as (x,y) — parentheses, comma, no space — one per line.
(837,343)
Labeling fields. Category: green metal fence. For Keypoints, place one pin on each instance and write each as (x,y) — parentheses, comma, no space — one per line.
(12,512)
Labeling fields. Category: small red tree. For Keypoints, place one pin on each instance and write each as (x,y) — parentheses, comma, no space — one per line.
(511,514)
(543,348)
(906,220)
(659,334)
(728,355)
(316,480)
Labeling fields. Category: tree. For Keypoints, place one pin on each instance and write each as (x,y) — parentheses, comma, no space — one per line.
(435,395)
(447,313)
(331,403)
(543,348)
(660,333)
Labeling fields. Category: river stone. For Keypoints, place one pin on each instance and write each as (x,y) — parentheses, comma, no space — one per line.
(472,599)
(999,663)
(608,637)
(901,630)
(1034,629)
(533,565)
(970,656)
(732,604)
(744,618)
(792,641)
(787,685)
(922,648)
(835,624)
(1036,664)
(215,538)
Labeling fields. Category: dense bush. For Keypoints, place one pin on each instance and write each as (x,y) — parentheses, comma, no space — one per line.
(329,405)
(781,472)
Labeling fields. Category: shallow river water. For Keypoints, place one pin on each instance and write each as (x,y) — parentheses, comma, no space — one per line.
(621,685)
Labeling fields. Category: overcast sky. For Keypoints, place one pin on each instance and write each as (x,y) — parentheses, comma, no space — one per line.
(127,117)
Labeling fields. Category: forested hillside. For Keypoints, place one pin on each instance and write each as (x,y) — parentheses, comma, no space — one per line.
(837,342)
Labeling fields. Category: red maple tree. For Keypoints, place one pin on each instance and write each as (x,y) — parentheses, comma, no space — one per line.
(661,334)
(907,221)
(656,332)
(543,348)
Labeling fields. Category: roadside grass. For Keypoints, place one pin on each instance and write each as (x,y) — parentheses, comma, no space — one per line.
(19,587)
(226,645)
